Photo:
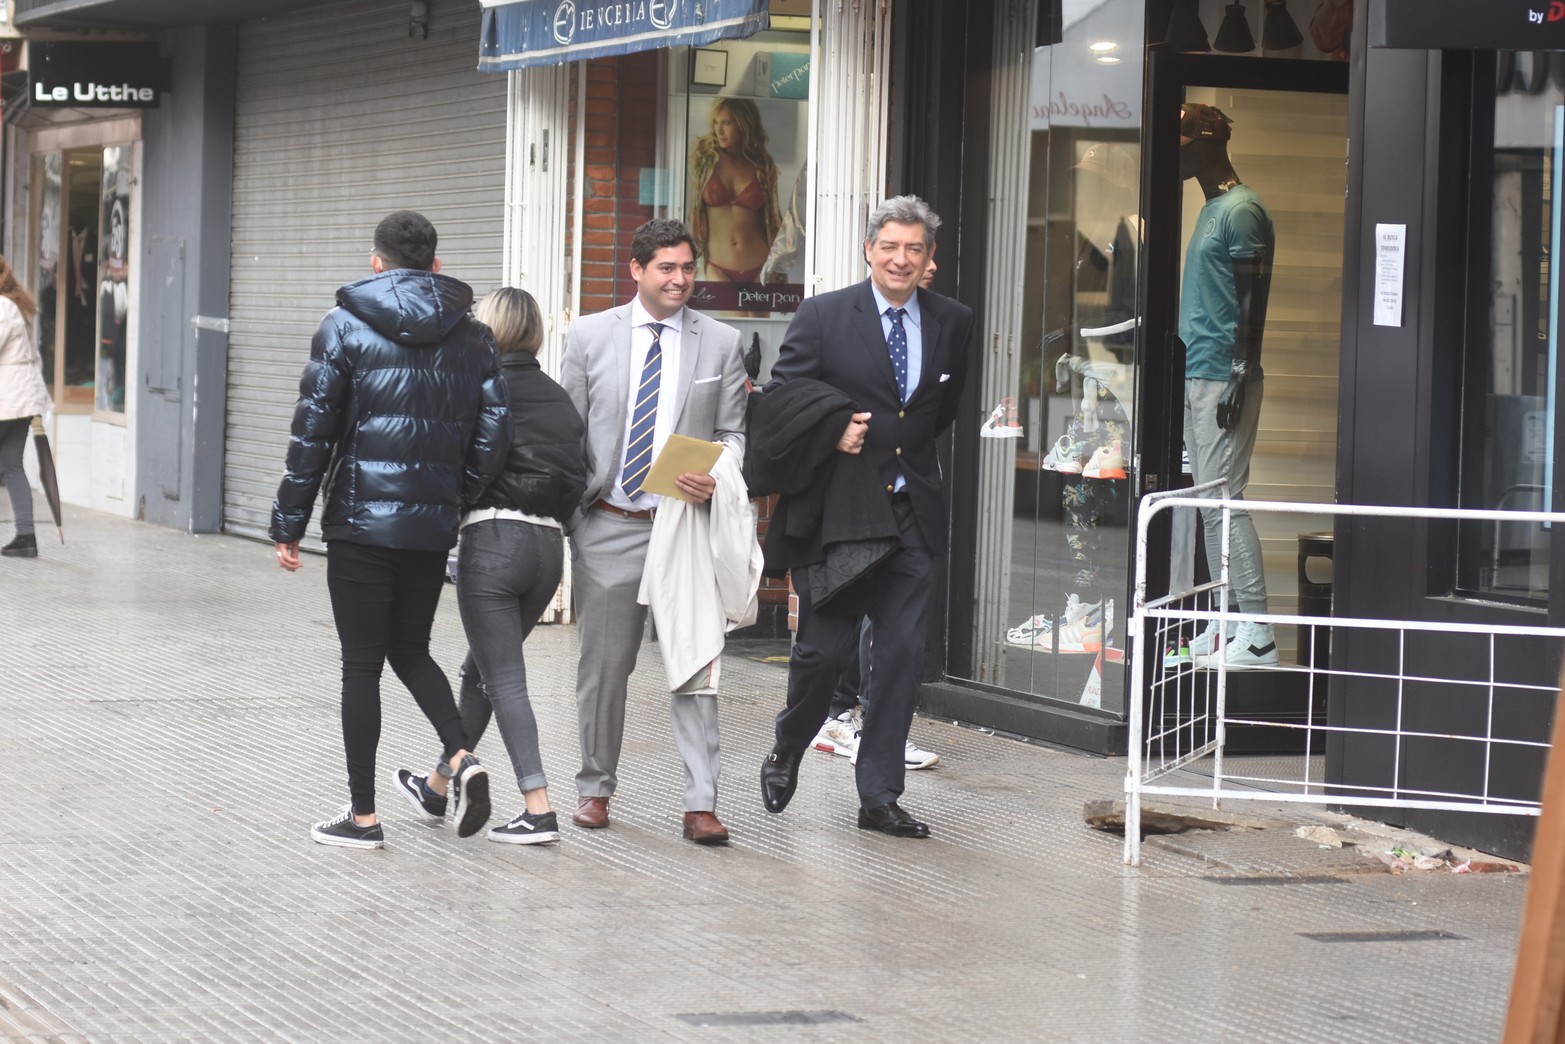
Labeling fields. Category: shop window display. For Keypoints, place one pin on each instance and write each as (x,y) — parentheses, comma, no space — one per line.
(737,135)
(1510,400)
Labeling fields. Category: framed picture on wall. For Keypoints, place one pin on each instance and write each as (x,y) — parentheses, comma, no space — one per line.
(709,66)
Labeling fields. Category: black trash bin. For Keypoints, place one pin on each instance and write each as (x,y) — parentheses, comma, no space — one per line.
(1315,562)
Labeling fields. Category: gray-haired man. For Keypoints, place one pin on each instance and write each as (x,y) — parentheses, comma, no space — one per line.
(900,353)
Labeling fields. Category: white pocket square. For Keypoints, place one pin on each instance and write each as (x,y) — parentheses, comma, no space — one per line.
(944,377)
(709,380)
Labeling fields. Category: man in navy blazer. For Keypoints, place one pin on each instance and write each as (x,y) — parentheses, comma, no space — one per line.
(900,353)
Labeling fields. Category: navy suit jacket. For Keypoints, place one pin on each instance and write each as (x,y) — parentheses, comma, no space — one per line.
(837,338)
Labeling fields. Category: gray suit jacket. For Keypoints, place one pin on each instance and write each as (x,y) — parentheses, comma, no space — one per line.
(596,374)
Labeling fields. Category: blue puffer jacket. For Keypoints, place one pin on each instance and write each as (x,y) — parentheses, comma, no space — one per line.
(402,412)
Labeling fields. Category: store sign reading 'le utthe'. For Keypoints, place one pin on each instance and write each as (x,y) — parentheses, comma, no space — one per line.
(94,75)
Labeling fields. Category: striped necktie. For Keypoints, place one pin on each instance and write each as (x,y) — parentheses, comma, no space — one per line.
(643,419)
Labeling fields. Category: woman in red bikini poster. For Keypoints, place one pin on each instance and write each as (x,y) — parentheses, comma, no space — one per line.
(734,211)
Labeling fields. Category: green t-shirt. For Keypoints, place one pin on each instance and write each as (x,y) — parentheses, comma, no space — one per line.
(1231,225)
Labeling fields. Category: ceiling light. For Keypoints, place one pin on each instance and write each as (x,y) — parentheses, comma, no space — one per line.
(1107,59)
(1185,31)
(1281,31)
(1101,46)
(1234,34)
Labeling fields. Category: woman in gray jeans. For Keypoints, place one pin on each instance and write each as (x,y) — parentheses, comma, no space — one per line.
(509,566)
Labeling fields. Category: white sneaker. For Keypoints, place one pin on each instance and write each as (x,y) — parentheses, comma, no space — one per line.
(1107,462)
(1002,423)
(1037,631)
(1253,647)
(913,757)
(1206,642)
(1065,457)
(1085,634)
(839,736)
(916,757)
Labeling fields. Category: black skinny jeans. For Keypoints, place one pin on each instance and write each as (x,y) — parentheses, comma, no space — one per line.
(384,602)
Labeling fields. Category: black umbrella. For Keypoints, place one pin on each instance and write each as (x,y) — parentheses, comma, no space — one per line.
(46,475)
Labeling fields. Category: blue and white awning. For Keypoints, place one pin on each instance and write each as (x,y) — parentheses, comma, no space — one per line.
(522,33)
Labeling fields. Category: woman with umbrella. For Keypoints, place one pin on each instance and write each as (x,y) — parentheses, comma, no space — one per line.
(23,396)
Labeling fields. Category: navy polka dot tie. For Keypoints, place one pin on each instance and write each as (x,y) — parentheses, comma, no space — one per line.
(897,339)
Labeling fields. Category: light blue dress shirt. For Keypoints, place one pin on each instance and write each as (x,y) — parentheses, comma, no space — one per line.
(913,327)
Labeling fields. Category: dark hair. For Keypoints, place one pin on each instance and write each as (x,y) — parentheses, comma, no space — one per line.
(406,239)
(656,234)
(514,317)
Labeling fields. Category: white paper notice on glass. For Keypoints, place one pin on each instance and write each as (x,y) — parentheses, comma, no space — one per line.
(1390,262)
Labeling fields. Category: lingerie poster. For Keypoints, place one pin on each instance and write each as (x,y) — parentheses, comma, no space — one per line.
(747,191)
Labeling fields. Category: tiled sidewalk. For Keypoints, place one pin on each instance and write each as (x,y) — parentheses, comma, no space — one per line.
(170,728)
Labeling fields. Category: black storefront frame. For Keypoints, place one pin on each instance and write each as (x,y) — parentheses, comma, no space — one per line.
(1417,119)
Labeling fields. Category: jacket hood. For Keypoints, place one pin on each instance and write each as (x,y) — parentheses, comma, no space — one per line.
(409,306)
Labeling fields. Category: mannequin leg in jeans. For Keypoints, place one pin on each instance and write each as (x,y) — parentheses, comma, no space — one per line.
(1214,454)
(507,570)
(383,602)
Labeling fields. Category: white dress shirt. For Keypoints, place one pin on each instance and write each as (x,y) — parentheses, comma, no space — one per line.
(668,394)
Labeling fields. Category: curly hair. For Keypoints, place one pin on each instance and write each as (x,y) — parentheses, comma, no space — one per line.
(751,151)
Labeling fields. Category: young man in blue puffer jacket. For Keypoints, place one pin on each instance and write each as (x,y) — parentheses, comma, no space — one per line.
(402,413)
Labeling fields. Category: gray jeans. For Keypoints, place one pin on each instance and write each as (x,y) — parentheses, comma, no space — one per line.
(13,439)
(1215,454)
(507,570)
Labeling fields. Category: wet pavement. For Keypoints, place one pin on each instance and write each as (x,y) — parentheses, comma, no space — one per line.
(170,723)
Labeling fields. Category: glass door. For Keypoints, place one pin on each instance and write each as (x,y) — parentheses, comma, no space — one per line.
(1288,153)
(81,248)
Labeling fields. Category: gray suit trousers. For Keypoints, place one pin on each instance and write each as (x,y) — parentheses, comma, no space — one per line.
(607,556)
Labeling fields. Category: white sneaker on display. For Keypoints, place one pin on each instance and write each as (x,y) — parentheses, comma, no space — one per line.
(1107,462)
(1037,631)
(1253,647)
(1002,422)
(1086,633)
(1065,457)
(1205,643)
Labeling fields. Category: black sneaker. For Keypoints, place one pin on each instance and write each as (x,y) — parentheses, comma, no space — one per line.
(21,547)
(528,829)
(470,795)
(345,833)
(426,802)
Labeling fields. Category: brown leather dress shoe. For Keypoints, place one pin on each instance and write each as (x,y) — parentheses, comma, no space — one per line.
(704,829)
(592,813)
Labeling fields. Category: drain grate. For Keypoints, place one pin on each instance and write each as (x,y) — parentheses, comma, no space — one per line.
(1296,879)
(1371,937)
(767,1018)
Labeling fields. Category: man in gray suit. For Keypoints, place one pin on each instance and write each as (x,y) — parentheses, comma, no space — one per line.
(638,373)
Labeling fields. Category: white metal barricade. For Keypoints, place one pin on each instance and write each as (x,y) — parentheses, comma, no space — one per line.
(1180,715)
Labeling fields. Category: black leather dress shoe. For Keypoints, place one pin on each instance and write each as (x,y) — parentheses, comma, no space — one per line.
(779,775)
(891,819)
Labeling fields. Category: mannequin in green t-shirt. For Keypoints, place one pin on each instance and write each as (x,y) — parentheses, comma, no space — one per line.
(1222,313)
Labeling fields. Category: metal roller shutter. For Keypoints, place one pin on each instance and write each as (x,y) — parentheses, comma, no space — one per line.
(341,118)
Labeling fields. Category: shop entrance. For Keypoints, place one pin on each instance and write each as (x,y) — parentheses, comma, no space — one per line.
(1252,253)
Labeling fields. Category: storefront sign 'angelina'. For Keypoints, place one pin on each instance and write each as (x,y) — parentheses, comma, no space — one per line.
(94,75)
(521,33)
